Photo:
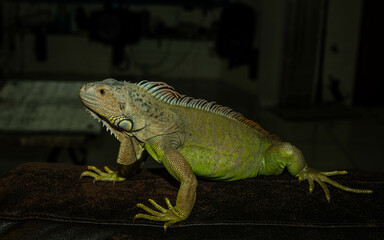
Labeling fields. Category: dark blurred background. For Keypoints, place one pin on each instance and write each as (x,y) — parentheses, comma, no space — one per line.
(308,71)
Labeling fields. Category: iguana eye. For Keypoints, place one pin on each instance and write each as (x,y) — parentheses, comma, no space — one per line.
(102,91)
(126,125)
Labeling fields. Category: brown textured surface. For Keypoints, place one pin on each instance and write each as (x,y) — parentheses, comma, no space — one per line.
(49,198)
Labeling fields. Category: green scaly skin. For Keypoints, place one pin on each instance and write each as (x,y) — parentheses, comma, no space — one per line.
(189,141)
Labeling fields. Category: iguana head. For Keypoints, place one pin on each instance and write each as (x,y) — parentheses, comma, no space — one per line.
(125,108)
(106,101)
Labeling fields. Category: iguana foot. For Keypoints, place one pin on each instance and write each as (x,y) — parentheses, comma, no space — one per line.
(321,178)
(171,215)
(98,175)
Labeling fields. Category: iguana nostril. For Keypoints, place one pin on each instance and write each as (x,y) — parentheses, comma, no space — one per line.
(122,106)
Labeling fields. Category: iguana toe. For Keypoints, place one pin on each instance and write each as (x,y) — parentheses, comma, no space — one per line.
(171,215)
(98,175)
(312,175)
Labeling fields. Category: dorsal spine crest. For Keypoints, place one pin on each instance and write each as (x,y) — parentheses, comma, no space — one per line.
(167,94)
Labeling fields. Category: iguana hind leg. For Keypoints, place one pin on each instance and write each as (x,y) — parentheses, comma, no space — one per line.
(284,155)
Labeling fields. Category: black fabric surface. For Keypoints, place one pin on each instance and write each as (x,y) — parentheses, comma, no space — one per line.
(49,201)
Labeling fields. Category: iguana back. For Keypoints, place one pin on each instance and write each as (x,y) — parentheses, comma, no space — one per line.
(217,142)
(218,147)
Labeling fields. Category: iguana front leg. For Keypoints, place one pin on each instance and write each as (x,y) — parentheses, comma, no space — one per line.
(130,155)
(161,149)
(283,154)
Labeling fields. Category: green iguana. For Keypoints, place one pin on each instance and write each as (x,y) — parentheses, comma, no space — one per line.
(190,137)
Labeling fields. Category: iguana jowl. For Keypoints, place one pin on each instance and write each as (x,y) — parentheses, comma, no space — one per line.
(190,137)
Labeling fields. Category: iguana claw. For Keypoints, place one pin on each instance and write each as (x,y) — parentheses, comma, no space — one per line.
(321,178)
(98,175)
(171,215)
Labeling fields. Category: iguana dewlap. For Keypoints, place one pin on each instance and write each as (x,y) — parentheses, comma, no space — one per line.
(190,137)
